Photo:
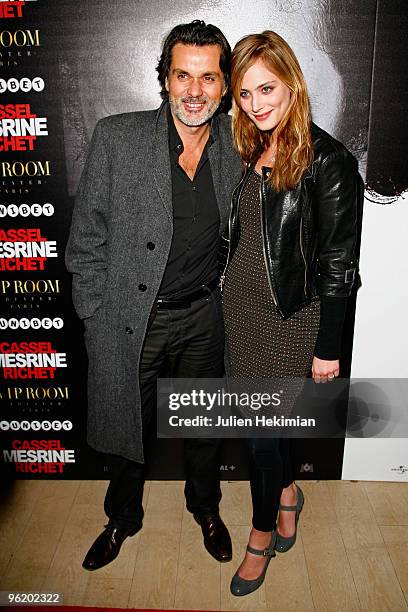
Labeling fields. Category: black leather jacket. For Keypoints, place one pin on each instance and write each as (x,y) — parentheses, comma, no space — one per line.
(311,234)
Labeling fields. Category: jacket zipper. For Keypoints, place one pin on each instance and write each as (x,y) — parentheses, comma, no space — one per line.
(222,278)
(303,254)
(263,242)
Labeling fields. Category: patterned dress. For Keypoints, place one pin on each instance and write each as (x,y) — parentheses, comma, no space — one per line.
(260,344)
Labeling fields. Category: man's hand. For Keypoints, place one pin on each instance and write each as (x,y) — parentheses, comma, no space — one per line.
(324,370)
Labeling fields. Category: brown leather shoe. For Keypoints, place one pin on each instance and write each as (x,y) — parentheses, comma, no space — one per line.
(216,537)
(106,547)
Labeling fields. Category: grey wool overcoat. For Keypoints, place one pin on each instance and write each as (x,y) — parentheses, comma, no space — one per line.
(123,207)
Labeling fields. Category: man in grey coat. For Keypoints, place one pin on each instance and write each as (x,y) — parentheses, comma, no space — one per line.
(152,203)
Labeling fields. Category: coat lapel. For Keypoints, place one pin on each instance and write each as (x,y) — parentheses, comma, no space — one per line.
(214,157)
(161,159)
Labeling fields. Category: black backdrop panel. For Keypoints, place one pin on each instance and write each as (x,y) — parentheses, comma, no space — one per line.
(387,169)
(97,58)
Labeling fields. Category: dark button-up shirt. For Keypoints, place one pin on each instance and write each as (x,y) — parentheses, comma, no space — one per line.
(193,255)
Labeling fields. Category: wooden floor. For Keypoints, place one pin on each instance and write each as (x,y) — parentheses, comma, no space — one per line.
(351,553)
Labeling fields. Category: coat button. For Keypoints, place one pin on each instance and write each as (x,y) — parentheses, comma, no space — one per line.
(142,287)
(129,330)
(151,246)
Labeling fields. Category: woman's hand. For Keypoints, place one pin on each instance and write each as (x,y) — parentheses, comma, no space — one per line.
(324,370)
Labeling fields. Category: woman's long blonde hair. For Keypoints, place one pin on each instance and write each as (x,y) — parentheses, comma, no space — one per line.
(294,143)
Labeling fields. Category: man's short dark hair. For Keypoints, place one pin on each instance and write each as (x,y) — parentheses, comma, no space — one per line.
(195,33)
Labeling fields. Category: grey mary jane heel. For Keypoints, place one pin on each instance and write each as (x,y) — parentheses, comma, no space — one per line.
(240,586)
(285,544)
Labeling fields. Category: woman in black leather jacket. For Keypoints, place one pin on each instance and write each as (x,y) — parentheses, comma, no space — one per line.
(291,263)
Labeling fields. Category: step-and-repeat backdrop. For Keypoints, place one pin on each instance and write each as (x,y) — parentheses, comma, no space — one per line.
(64,65)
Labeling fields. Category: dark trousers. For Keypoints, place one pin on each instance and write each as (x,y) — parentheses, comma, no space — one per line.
(181,343)
(270,471)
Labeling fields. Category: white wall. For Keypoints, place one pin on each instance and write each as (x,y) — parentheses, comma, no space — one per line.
(380,335)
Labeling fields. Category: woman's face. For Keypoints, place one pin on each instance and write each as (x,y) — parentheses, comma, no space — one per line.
(263,96)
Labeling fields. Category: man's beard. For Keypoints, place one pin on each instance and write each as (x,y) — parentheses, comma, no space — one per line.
(176,105)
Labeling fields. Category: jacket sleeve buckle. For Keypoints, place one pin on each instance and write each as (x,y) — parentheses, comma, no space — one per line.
(350,275)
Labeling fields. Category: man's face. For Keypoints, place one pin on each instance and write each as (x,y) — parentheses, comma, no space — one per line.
(195,83)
